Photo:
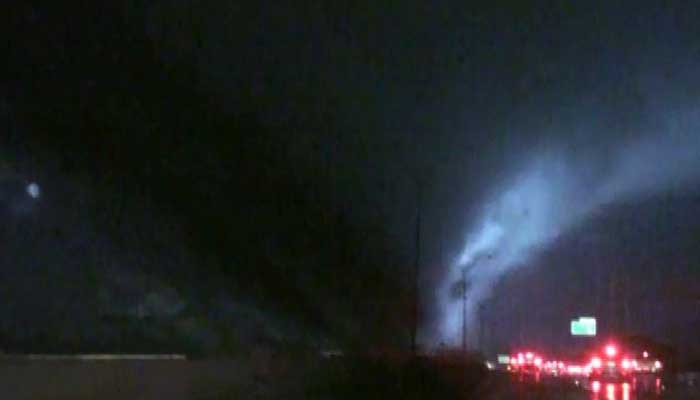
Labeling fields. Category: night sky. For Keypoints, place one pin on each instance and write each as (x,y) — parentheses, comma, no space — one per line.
(217,175)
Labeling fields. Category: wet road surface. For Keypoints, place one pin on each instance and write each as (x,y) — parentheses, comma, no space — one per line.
(507,387)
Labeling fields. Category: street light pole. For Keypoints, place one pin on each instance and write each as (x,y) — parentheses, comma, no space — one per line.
(416,269)
(464,310)
(482,327)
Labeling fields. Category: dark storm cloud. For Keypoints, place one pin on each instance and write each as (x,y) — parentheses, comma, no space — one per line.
(533,119)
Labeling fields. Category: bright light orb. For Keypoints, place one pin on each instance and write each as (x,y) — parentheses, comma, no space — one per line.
(33,190)
(610,350)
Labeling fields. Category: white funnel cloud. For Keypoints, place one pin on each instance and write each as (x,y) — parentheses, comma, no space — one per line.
(553,192)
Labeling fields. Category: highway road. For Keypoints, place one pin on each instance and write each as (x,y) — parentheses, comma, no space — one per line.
(502,386)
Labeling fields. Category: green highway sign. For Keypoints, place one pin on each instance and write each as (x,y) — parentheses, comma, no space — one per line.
(503,359)
(583,326)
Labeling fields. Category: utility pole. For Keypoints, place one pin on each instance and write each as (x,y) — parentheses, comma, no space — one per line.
(416,268)
(613,300)
(464,310)
(482,327)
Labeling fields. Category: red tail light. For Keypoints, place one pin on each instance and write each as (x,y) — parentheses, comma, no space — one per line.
(596,362)
(610,350)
